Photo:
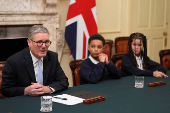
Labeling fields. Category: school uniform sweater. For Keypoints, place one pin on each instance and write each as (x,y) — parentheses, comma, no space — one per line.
(128,67)
(94,73)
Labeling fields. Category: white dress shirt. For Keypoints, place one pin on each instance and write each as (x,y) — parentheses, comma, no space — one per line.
(35,64)
(139,62)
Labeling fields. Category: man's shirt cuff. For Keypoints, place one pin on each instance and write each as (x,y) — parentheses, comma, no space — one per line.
(53,90)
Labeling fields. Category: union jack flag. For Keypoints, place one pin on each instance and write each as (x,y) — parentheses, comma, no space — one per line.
(80,25)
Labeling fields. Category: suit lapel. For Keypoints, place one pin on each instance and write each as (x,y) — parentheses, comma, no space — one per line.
(46,68)
(29,65)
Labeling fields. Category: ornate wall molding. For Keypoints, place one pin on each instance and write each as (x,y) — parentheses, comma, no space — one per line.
(60,41)
(50,6)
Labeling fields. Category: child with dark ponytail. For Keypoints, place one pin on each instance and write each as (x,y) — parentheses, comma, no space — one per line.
(136,61)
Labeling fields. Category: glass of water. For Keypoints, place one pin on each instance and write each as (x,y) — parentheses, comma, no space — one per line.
(139,81)
(46,104)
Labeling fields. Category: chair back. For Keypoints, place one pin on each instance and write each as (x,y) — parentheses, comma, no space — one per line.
(121,44)
(117,60)
(75,67)
(165,58)
(108,48)
(2,64)
(77,76)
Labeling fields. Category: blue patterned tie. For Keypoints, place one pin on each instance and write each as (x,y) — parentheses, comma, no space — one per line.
(39,73)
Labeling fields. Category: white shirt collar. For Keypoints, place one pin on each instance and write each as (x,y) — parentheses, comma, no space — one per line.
(139,61)
(93,60)
(34,59)
(138,58)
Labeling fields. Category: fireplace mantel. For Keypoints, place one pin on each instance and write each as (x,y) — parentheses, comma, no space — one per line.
(32,12)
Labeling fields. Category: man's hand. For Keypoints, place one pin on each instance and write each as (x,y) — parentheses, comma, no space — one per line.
(34,89)
(47,89)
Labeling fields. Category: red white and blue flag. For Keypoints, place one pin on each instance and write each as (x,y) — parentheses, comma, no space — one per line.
(80,25)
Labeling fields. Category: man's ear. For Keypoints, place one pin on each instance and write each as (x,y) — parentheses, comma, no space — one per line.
(29,42)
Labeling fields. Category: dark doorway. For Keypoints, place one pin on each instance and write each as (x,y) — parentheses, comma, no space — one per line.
(11,46)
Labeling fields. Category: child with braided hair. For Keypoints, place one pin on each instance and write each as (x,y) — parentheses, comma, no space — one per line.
(136,61)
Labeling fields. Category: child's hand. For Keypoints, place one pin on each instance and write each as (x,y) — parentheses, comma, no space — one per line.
(102,57)
(159,74)
(165,76)
(106,61)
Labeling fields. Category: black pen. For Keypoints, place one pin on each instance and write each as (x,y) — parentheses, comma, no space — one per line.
(60,98)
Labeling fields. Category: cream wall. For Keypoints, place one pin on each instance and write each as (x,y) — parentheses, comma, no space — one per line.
(113,17)
(113,21)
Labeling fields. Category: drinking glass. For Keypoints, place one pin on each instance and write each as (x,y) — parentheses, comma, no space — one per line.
(46,104)
(139,81)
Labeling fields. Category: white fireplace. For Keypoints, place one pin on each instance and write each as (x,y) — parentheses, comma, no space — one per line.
(33,12)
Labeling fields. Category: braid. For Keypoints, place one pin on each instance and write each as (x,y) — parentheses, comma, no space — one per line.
(146,63)
(132,36)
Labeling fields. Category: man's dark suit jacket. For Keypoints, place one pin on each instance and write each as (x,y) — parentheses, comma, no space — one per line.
(18,73)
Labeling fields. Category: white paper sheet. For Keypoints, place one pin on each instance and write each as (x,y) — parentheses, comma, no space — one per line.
(71,100)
